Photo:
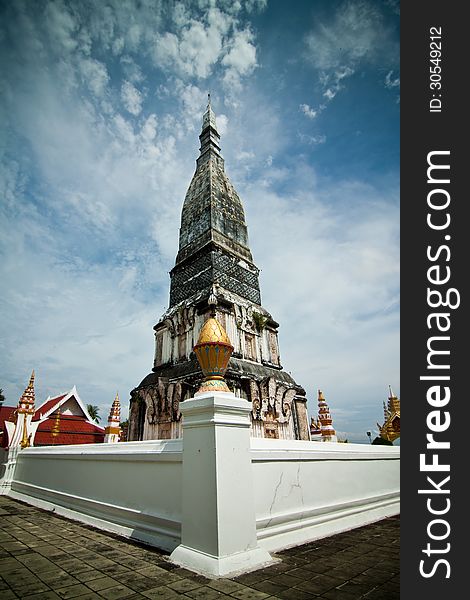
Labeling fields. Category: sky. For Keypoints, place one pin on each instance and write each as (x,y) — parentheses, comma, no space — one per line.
(100,111)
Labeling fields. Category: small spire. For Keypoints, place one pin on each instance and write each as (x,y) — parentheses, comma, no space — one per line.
(212,301)
(208,120)
(113,429)
(27,398)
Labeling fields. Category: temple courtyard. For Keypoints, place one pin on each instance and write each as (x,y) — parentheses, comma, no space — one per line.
(45,557)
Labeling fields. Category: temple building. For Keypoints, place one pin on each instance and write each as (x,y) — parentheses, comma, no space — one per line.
(60,420)
(390,430)
(214,274)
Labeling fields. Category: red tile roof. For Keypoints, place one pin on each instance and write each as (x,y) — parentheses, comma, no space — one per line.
(6,414)
(42,410)
(72,430)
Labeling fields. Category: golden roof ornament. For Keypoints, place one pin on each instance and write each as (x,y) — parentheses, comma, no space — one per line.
(27,399)
(213,351)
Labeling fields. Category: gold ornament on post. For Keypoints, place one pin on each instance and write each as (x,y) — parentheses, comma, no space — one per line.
(25,408)
(56,427)
(213,351)
(25,439)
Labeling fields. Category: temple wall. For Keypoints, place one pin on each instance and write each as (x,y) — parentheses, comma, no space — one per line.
(302,490)
(307,490)
(131,488)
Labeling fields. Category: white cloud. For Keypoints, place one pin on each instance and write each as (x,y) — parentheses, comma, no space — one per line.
(222,123)
(131,98)
(199,44)
(330,276)
(149,128)
(245,155)
(241,58)
(196,48)
(95,75)
(391,82)
(355,35)
(308,111)
(312,140)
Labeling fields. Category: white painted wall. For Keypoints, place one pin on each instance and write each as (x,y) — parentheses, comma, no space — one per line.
(131,488)
(223,502)
(307,490)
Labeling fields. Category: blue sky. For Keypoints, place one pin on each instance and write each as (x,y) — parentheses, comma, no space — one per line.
(101,107)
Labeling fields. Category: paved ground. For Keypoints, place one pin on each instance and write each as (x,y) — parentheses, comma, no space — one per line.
(43,556)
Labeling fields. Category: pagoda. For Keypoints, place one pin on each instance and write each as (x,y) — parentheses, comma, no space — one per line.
(112,432)
(390,430)
(215,277)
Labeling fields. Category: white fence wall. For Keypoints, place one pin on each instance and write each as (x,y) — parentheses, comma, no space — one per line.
(225,501)
(308,490)
(131,488)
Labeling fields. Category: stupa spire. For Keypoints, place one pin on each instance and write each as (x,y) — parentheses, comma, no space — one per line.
(213,241)
(214,287)
(113,429)
(210,137)
(27,399)
(326,422)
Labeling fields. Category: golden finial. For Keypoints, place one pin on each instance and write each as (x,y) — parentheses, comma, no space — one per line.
(320,395)
(28,394)
(26,401)
(213,351)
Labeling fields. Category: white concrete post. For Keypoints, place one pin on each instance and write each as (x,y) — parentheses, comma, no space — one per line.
(8,467)
(218,512)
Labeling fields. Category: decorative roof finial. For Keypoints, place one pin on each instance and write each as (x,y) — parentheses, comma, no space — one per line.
(113,429)
(26,401)
(208,99)
(212,301)
(326,422)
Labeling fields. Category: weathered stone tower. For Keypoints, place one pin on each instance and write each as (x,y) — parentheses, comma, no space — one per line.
(215,274)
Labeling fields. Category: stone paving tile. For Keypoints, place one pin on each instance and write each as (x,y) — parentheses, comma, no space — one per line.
(184,585)
(116,592)
(250,594)
(72,591)
(102,583)
(89,575)
(161,593)
(45,557)
(269,587)
(295,594)
(227,586)
(205,593)
(8,595)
